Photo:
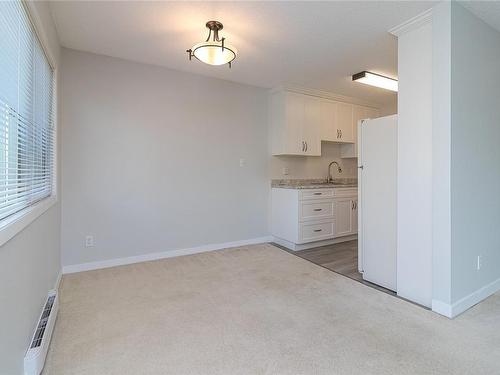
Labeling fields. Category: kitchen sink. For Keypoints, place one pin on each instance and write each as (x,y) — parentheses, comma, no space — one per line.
(333,184)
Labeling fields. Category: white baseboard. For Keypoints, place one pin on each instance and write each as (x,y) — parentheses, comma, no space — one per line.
(442,308)
(295,247)
(58,282)
(160,255)
(463,304)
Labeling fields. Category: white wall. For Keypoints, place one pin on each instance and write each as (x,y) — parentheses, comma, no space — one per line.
(30,261)
(441,162)
(475,166)
(389,109)
(461,142)
(414,263)
(313,166)
(151,159)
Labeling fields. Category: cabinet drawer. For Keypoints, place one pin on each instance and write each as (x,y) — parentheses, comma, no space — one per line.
(315,194)
(345,192)
(310,232)
(316,209)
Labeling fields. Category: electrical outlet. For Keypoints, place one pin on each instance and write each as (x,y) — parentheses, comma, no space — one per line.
(479,262)
(89,241)
(285,171)
(242,162)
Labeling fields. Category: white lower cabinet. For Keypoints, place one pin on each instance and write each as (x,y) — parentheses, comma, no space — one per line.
(346,210)
(316,210)
(343,209)
(355,216)
(309,215)
(316,231)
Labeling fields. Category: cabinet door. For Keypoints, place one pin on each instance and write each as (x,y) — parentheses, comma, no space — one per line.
(294,120)
(312,126)
(343,216)
(329,121)
(355,216)
(358,113)
(345,123)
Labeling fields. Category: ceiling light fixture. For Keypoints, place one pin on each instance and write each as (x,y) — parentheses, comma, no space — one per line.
(215,51)
(373,79)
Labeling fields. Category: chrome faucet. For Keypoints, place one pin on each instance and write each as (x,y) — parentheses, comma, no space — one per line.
(330,178)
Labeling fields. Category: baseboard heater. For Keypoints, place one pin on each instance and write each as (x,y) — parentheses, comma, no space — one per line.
(35,356)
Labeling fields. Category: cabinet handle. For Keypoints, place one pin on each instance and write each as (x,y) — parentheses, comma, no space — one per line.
(318,230)
(318,209)
(317,193)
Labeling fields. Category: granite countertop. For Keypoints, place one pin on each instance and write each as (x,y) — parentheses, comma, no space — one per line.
(315,183)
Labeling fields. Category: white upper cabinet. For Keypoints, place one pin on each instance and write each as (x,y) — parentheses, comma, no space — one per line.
(293,107)
(359,113)
(337,121)
(344,123)
(295,124)
(299,122)
(311,128)
(329,131)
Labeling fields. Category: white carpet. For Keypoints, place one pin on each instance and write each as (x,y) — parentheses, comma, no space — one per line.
(257,310)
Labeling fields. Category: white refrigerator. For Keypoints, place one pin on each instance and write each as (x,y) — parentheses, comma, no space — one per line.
(377,200)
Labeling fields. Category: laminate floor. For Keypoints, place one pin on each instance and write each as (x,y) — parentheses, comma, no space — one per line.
(341,258)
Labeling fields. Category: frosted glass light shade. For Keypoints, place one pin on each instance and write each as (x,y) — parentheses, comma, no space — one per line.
(212,53)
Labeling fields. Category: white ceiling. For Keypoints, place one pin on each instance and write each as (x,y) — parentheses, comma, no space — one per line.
(488,11)
(318,45)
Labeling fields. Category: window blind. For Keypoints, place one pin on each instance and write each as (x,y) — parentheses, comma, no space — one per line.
(26,113)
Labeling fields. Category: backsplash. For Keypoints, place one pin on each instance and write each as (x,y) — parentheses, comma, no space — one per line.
(313,167)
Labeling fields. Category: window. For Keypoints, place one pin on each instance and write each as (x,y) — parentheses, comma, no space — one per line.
(26,113)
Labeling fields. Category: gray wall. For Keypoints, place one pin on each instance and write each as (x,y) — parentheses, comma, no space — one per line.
(151,159)
(475,150)
(29,262)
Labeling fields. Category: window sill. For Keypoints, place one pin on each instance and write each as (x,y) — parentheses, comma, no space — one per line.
(14,224)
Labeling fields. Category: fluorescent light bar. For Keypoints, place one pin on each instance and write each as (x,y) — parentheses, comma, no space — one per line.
(377,80)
